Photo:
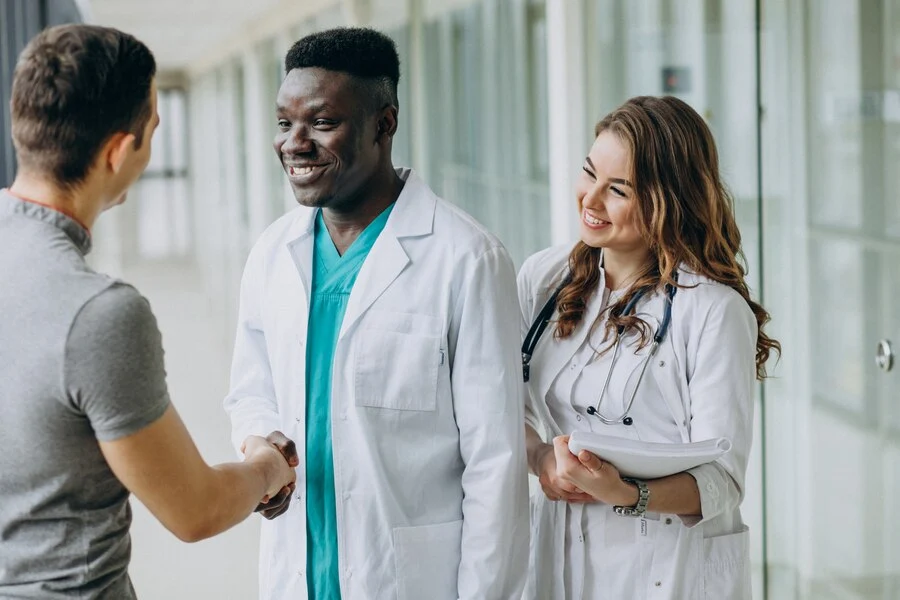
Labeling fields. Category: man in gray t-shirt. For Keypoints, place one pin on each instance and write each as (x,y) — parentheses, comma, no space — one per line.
(85,416)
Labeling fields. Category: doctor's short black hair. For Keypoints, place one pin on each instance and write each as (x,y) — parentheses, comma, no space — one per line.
(364,53)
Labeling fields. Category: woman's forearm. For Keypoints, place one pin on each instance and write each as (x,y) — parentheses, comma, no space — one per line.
(676,495)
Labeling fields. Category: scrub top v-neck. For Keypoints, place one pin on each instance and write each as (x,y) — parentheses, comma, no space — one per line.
(332,282)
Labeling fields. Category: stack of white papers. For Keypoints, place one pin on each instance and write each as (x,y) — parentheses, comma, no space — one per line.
(648,460)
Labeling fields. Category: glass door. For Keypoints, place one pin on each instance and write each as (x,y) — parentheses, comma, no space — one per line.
(831,238)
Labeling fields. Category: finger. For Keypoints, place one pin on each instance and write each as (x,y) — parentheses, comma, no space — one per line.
(278,510)
(561,452)
(591,461)
(286,446)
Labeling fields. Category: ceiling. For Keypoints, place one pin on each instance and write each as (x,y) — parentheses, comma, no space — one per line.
(180,32)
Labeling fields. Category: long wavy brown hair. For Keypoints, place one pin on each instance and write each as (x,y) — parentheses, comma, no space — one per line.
(683,212)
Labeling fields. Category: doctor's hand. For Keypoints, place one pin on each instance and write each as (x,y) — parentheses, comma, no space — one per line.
(591,473)
(276,471)
(553,486)
(277,504)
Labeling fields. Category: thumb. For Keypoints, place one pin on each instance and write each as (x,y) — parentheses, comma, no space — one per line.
(591,462)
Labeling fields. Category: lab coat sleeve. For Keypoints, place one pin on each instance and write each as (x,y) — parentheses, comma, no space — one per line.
(526,311)
(722,389)
(251,403)
(487,398)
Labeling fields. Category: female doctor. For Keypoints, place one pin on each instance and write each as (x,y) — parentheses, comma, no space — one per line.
(652,336)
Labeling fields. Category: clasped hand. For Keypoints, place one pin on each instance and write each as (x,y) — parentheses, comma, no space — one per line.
(277,503)
(582,478)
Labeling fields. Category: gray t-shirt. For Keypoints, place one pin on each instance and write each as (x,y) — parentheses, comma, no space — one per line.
(81,360)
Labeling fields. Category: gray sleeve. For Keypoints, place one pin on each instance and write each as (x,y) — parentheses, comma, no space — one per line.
(114,371)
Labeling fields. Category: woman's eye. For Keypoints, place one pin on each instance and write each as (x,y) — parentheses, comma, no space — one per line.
(589,174)
(617,192)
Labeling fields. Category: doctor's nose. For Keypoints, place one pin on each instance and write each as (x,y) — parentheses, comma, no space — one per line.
(591,196)
(298,142)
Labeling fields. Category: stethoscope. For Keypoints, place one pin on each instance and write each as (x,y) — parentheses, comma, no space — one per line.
(540,324)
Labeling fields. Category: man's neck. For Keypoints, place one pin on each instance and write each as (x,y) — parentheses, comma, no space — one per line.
(77,204)
(345,226)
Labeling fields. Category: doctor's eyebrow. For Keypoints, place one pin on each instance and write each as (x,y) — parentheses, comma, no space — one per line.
(590,163)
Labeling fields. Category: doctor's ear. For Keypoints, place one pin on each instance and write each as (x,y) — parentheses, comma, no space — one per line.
(387,122)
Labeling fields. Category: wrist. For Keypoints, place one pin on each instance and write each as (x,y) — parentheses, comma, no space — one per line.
(263,462)
(536,456)
(628,494)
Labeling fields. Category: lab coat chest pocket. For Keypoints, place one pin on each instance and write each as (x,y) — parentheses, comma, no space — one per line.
(398,359)
(426,560)
(726,568)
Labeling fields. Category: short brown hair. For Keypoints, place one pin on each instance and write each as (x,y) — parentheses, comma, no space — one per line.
(74,86)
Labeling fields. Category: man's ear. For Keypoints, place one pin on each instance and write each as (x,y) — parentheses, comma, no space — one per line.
(116,150)
(387,122)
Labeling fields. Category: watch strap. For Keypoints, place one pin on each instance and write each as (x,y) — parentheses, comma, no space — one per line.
(640,508)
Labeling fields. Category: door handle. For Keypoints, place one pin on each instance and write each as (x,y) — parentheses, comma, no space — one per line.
(884,355)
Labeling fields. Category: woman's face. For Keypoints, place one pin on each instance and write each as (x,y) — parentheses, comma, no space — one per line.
(606,198)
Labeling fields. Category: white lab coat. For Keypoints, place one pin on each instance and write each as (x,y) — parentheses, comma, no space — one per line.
(706,371)
(430,475)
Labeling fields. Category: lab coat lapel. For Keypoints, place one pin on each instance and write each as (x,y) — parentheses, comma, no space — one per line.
(555,354)
(301,250)
(385,262)
(413,215)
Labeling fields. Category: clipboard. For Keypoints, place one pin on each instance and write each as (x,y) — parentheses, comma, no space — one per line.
(648,460)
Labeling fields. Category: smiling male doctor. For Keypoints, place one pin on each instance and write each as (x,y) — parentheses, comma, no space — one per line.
(379,330)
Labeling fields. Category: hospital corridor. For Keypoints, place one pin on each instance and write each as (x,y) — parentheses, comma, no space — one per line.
(497,105)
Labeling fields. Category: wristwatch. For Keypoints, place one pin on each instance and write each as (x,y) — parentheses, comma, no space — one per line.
(640,508)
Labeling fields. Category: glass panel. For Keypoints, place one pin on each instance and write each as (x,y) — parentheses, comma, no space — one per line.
(485,121)
(830,91)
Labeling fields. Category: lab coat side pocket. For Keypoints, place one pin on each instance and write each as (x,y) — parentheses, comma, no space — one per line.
(397,370)
(426,561)
(726,566)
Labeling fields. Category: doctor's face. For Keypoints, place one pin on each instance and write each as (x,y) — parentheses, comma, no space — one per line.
(327,139)
(606,198)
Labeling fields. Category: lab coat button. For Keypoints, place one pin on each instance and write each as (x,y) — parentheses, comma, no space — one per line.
(578,418)
(658,584)
(297,419)
(668,521)
(662,363)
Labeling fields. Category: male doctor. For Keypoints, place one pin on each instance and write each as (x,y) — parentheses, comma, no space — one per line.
(379,330)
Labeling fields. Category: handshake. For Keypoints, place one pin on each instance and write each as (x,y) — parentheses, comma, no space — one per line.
(276,456)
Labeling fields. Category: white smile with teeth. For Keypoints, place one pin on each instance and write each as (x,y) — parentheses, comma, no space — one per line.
(301,170)
(593,220)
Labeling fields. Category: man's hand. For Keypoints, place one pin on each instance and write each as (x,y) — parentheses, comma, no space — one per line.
(280,502)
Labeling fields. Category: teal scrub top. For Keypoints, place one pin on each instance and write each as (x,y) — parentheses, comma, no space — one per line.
(333,279)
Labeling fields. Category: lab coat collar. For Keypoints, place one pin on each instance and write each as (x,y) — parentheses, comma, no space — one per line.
(412,216)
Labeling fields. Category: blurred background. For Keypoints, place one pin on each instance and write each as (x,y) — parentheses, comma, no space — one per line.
(498,99)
